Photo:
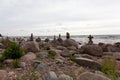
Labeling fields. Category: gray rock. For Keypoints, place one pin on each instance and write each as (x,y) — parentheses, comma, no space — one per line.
(94,50)
(3,75)
(88,63)
(28,57)
(92,76)
(22,65)
(31,46)
(43,54)
(50,75)
(61,48)
(66,53)
(39,64)
(70,42)
(65,77)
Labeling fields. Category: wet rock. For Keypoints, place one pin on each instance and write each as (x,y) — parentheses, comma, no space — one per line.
(88,63)
(65,77)
(92,76)
(94,50)
(50,75)
(31,46)
(3,75)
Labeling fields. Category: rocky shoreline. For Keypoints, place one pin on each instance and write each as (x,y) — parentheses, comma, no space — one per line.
(60,59)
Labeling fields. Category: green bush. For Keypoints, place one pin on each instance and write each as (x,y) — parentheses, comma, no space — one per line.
(109,67)
(16,63)
(13,51)
(51,54)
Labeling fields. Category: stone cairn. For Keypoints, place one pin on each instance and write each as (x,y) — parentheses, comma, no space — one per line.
(54,39)
(90,42)
(38,39)
(0,35)
(67,35)
(31,37)
(47,40)
(60,39)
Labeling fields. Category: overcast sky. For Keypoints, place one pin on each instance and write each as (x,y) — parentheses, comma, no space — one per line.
(49,17)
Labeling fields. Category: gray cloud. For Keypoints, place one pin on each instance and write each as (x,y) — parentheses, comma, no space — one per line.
(59,16)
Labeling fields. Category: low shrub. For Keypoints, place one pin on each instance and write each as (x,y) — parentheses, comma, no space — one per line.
(13,51)
(51,54)
(109,67)
(16,63)
(72,58)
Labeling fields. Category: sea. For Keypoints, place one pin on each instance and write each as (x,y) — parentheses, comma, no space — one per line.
(83,39)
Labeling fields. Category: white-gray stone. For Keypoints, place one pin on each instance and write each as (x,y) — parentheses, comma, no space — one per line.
(65,77)
(50,75)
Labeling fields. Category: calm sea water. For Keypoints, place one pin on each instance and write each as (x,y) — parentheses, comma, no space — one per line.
(84,38)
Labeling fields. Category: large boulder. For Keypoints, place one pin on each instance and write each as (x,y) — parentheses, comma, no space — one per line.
(30,46)
(70,42)
(94,50)
(92,76)
(50,75)
(28,57)
(3,75)
(109,47)
(88,63)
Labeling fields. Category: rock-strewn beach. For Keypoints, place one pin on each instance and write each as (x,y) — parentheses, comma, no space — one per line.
(59,59)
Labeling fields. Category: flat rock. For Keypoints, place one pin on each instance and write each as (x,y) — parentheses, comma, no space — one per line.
(92,76)
(88,63)
(94,50)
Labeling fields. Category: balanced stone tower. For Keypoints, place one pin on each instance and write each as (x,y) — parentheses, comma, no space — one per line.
(67,35)
(38,39)
(31,37)
(90,42)
(60,39)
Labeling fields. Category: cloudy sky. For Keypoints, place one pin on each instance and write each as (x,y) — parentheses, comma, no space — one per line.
(49,17)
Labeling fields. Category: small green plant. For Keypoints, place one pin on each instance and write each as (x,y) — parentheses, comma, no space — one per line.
(109,67)
(51,54)
(72,58)
(16,63)
(13,51)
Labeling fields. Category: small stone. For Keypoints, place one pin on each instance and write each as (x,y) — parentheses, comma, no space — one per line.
(65,77)
(50,75)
